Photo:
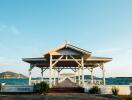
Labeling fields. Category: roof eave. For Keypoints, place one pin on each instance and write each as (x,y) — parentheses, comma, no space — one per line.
(33,59)
(100,60)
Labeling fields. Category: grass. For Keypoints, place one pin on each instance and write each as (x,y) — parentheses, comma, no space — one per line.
(126,97)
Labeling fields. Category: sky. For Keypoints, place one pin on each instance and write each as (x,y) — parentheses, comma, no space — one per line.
(30,27)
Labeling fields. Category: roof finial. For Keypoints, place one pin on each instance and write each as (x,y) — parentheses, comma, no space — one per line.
(66,42)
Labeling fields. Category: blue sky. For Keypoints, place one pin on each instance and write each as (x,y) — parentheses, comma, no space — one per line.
(29,27)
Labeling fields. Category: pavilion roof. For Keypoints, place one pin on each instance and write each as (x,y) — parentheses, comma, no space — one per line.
(66,45)
(65,61)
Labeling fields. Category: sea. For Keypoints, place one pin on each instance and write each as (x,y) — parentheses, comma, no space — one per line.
(109,81)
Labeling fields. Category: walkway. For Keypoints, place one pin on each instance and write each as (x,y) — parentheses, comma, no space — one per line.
(66,86)
(67,83)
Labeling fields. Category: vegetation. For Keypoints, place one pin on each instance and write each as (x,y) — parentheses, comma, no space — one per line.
(9,74)
(41,88)
(95,90)
(114,90)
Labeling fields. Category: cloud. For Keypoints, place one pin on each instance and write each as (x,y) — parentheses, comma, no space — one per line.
(9,30)
(9,61)
(111,50)
(129,51)
(13,64)
(15,31)
(2,27)
(115,50)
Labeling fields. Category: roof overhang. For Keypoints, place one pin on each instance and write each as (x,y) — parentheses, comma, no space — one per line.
(98,59)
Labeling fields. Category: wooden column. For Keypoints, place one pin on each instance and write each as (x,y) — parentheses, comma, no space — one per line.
(50,81)
(82,63)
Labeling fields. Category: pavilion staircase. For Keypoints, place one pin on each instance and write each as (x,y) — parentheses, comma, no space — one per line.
(66,86)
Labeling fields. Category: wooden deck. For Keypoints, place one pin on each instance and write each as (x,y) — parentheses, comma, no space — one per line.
(66,86)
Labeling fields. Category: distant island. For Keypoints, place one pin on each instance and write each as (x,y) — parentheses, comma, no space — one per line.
(9,74)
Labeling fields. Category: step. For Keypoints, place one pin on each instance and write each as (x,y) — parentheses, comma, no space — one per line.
(66,90)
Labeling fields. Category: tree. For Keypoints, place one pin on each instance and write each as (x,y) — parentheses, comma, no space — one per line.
(41,87)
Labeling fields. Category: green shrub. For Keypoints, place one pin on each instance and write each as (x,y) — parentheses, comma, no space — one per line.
(37,87)
(95,90)
(41,88)
(114,90)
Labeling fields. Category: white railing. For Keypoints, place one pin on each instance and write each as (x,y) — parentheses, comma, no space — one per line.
(95,82)
(17,88)
(123,89)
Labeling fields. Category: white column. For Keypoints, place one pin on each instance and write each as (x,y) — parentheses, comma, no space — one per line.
(58,76)
(30,77)
(103,74)
(42,71)
(50,81)
(30,74)
(75,77)
(78,75)
(91,76)
(54,76)
(82,63)
(104,83)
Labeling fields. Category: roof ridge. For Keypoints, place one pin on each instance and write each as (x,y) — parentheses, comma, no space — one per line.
(67,45)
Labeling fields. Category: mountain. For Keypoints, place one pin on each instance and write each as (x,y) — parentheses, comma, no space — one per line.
(9,74)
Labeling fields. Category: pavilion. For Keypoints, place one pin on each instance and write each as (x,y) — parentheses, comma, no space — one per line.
(67,56)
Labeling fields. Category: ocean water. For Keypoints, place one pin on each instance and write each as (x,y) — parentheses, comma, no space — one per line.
(24,81)
(119,81)
(14,81)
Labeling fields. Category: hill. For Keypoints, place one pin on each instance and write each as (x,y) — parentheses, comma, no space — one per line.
(9,74)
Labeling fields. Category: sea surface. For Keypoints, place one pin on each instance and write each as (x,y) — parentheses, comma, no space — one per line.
(109,81)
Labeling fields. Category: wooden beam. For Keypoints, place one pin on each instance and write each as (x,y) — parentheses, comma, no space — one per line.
(56,61)
(75,60)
